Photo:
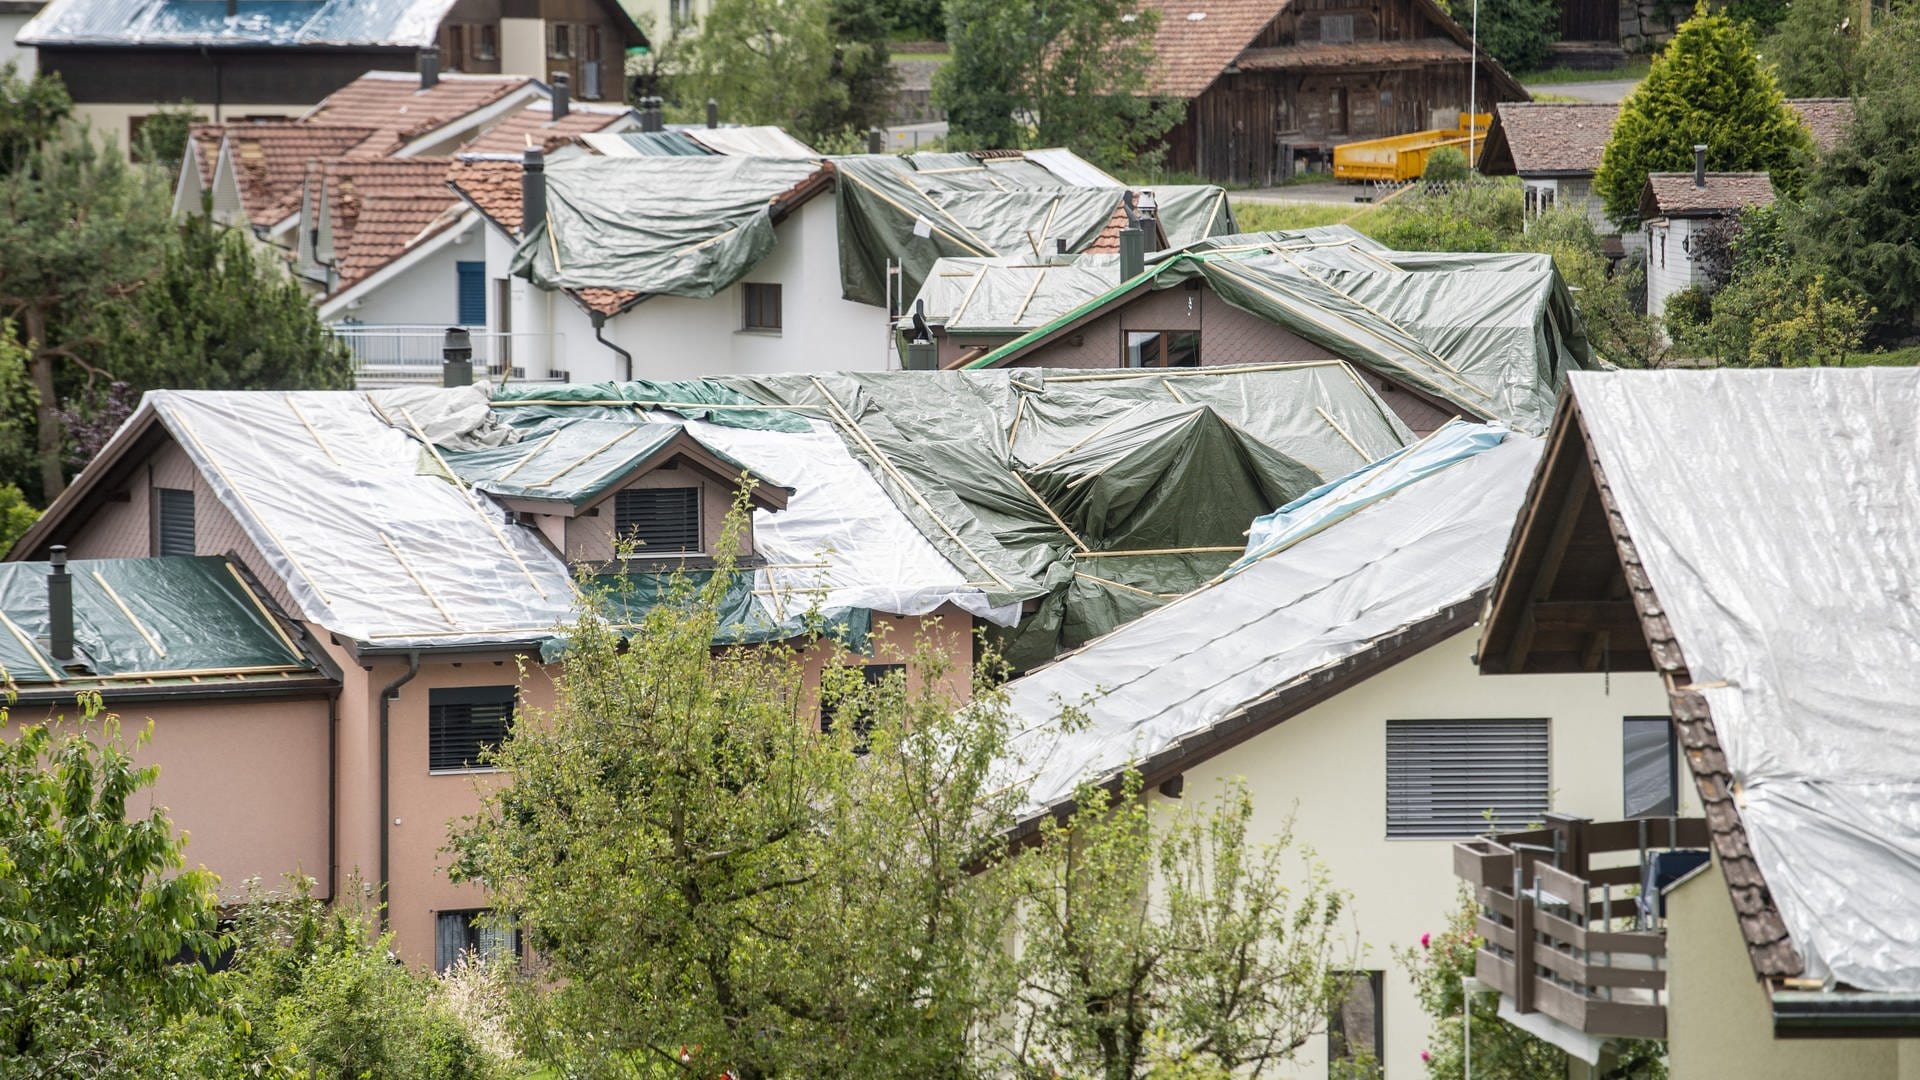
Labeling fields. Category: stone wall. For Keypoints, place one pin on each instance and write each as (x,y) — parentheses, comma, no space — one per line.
(1647,25)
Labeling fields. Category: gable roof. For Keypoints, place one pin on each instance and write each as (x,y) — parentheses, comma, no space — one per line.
(1827,118)
(1336,587)
(205,23)
(1676,195)
(583,462)
(270,160)
(398,111)
(379,207)
(535,127)
(1537,138)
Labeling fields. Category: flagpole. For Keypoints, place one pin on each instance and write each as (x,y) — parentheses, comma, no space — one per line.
(1473,87)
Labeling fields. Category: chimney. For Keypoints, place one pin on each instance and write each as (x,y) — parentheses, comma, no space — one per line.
(1699,165)
(1133,244)
(456,358)
(655,109)
(233,9)
(1146,214)
(713,112)
(429,67)
(533,191)
(59,606)
(922,354)
(562,94)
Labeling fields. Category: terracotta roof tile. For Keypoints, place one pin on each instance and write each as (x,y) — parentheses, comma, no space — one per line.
(1553,138)
(606,301)
(535,122)
(380,207)
(1827,118)
(1675,195)
(205,138)
(396,109)
(1190,52)
(271,159)
(491,186)
(1323,55)
(1108,240)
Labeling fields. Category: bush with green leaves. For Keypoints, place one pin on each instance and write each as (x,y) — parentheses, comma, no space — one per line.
(1518,33)
(1609,297)
(1707,88)
(1446,165)
(1815,50)
(1477,215)
(1775,309)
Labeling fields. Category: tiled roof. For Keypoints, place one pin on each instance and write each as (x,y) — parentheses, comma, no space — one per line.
(1198,39)
(606,301)
(1108,240)
(1551,138)
(493,187)
(534,126)
(1827,118)
(270,161)
(1675,195)
(205,138)
(381,206)
(1322,55)
(392,104)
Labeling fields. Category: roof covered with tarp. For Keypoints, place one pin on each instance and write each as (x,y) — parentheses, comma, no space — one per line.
(1099,494)
(1492,335)
(576,463)
(406,23)
(142,622)
(915,209)
(1376,554)
(1777,516)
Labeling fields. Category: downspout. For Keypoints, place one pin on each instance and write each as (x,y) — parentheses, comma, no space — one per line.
(599,321)
(333,797)
(386,819)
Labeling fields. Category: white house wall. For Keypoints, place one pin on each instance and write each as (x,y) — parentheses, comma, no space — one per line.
(1669,268)
(423,294)
(24,58)
(1327,768)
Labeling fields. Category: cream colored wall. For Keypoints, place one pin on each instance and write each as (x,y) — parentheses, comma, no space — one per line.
(115,121)
(523,47)
(1719,1021)
(245,778)
(1327,767)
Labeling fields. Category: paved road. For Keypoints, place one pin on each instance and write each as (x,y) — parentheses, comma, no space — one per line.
(1604,92)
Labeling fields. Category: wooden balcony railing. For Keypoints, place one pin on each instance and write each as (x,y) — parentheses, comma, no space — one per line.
(1565,930)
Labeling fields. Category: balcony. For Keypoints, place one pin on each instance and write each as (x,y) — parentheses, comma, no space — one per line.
(389,355)
(1572,921)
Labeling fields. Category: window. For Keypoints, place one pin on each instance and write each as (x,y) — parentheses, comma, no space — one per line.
(471,279)
(1650,779)
(830,713)
(1337,112)
(560,41)
(1354,1030)
(1162,348)
(1454,778)
(173,521)
(464,720)
(1336,29)
(663,521)
(456,933)
(762,306)
(486,42)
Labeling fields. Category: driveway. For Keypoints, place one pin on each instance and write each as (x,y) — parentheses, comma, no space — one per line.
(1611,92)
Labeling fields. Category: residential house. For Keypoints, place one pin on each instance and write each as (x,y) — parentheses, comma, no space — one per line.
(1679,212)
(1330,671)
(683,265)
(1270,84)
(1741,535)
(14,16)
(254,59)
(252,174)
(411,597)
(1437,335)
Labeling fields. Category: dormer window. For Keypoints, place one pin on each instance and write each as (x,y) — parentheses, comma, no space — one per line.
(661,520)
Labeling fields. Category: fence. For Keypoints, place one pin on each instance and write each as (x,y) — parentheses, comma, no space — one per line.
(389,355)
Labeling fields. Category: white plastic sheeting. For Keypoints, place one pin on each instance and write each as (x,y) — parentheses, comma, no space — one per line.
(1777,514)
(758,141)
(376,550)
(1176,672)
(1071,168)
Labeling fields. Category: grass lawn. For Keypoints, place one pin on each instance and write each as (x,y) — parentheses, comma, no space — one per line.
(945,55)
(1634,69)
(1266,216)
(1907,357)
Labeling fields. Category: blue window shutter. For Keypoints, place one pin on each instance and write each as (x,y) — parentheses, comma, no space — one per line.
(473,293)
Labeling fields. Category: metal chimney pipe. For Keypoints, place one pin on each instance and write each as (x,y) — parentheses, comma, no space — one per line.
(533,191)
(456,358)
(233,9)
(1699,165)
(876,141)
(1133,243)
(562,94)
(659,113)
(429,67)
(713,112)
(922,353)
(59,605)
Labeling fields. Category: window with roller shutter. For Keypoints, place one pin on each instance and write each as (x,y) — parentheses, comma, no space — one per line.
(664,521)
(173,521)
(1448,779)
(463,721)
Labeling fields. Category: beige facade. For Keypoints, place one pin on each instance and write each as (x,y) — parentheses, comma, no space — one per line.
(118,122)
(1326,768)
(1719,1022)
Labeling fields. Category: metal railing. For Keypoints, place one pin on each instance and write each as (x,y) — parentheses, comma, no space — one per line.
(389,355)
(1582,943)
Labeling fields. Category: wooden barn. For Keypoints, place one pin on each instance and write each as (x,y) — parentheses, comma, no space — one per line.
(1271,84)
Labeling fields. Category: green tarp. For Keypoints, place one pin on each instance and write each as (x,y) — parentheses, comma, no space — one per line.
(693,399)
(675,226)
(575,461)
(625,599)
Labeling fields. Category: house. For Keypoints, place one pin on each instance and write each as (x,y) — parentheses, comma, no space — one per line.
(1741,535)
(688,264)
(1555,148)
(1330,671)
(14,16)
(1270,83)
(413,595)
(254,59)
(1679,211)
(1437,335)
(252,174)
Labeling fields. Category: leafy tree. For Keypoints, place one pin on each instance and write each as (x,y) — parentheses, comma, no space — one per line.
(925,20)
(17,515)
(1076,73)
(1177,948)
(1479,215)
(1610,299)
(1709,88)
(1518,33)
(1446,165)
(817,67)
(1860,219)
(96,906)
(31,110)
(1814,51)
(163,136)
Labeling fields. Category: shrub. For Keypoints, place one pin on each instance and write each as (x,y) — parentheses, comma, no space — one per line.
(1446,165)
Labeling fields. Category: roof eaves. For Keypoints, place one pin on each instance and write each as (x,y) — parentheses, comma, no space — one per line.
(445,230)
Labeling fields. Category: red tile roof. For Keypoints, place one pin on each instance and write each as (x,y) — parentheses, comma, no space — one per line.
(1827,118)
(205,138)
(1197,39)
(493,187)
(1324,55)
(393,105)
(534,126)
(270,161)
(1108,241)
(1675,195)
(380,207)
(1542,138)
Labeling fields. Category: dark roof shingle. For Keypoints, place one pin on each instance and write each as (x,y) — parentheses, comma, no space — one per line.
(270,160)
(1676,195)
(1547,139)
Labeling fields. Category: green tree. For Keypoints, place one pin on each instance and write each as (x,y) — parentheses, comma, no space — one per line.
(1076,73)
(1518,33)
(31,110)
(1860,219)
(96,905)
(816,67)
(1708,87)
(163,136)
(1814,51)
(1446,165)
(1610,299)
(1150,948)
